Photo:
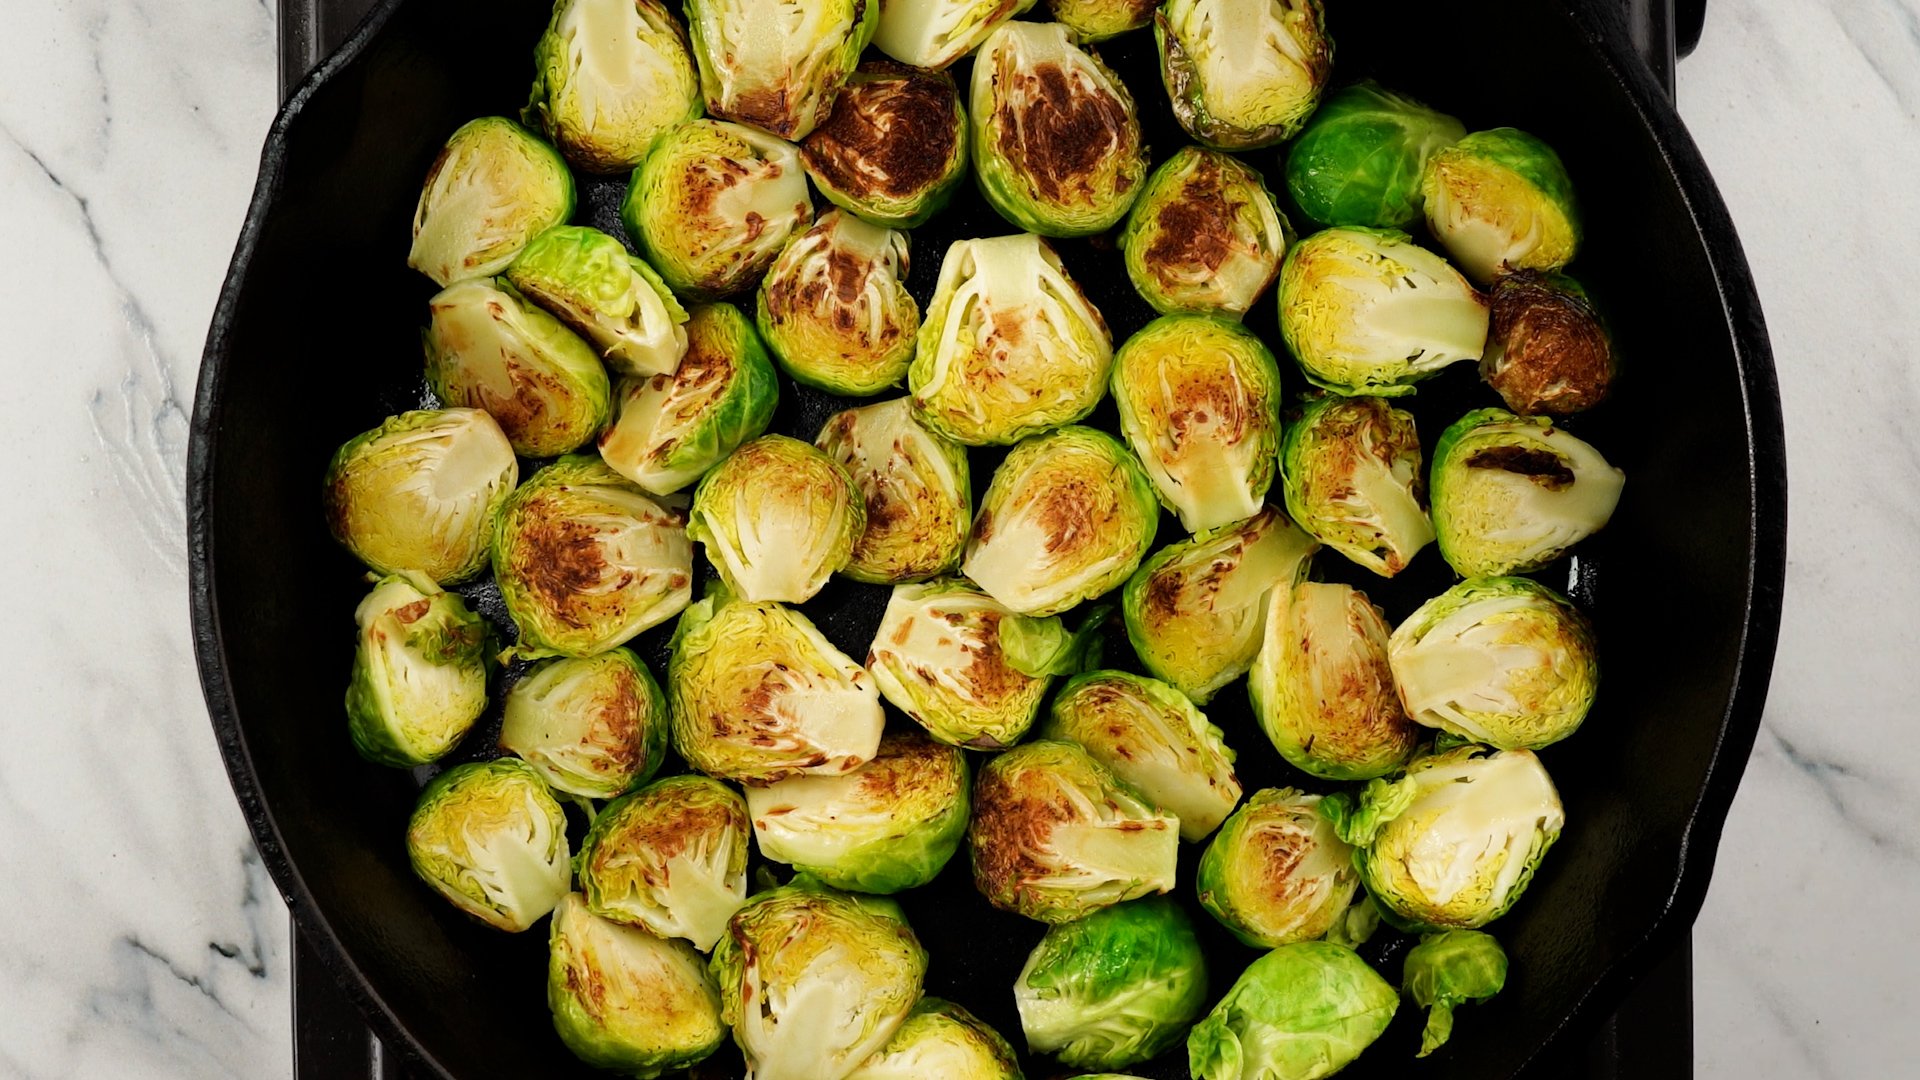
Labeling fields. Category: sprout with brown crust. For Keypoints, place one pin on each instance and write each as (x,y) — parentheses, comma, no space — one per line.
(1548,351)
(895,147)
(777,518)
(918,492)
(1243,74)
(1322,687)
(777,64)
(590,726)
(1205,235)
(1353,479)
(610,78)
(493,187)
(670,857)
(835,310)
(1277,873)
(488,347)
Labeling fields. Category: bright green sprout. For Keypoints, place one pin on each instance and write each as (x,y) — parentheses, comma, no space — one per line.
(1204,236)
(1322,686)
(1277,873)
(1115,988)
(777,64)
(1243,74)
(1548,349)
(593,727)
(894,148)
(612,299)
(1301,1012)
(610,78)
(835,310)
(1361,157)
(489,838)
(419,672)
(670,858)
(1501,200)
(625,1000)
(1352,477)
(777,518)
(917,489)
(493,188)
(942,1040)
(1447,970)
(1513,493)
(935,33)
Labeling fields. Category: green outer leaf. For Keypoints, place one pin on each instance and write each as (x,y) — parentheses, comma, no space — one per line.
(1448,969)
(1301,1012)
(1360,158)
(1114,988)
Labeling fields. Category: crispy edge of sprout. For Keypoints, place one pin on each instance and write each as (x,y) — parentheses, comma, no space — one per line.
(1557,462)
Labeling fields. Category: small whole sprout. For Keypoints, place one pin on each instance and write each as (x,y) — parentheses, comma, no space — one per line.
(489,838)
(1548,350)
(1300,1012)
(670,858)
(489,348)
(1322,686)
(593,727)
(835,310)
(1501,200)
(777,518)
(421,492)
(1068,516)
(1195,610)
(713,204)
(777,64)
(1360,159)
(1513,493)
(1447,970)
(1115,988)
(1352,478)
(1098,20)
(1243,74)
(585,560)
(917,489)
(672,428)
(612,299)
(941,1039)
(1368,311)
(1277,873)
(1199,401)
(1204,235)
(935,33)
(494,187)
(610,78)
(1502,661)
(1056,143)
(626,1000)
(1056,836)
(1009,345)
(894,148)
(419,672)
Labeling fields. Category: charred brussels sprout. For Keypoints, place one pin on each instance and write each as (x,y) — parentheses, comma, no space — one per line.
(488,348)
(777,518)
(1300,1012)
(1276,873)
(941,1039)
(1115,988)
(1548,351)
(935,33)
(1322,687)
(1501,200)
(625,1000)
(918,494)
(1513,493)
(895,146)
(1352,478)
(1204,235)
(493,188)
(670,858)
(1361,157)
(777,64)
(1449,969)
(592,727)
(835,310)
(610,78)
(609,297)
(1243,73)
(1098,20)
(419,673)
(489,837)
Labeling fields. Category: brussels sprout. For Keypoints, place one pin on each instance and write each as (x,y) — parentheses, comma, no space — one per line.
(421,491)
(941,1039)
(1322,688)
(1098,20)
(419,672)
(670,857)
(1194,611)
(777,64)
(1501,200)
(1454,842)
(895,146)
(623,999)
(1277,873)
(1056,836)
(1513,493)
(612,299)
(1114,988)
(713,204)
(1352,477)
(1152,737)
(1068,515)
(1361,157)
(610,78)
(835,310)
(1056,144)
(916,486)
(585,560)
(1450,969)
(1199,402)
(1243,73)
(758,694)
(935,33)
(489,348)
(489,837)
(1204,235)
(1300,1012)
(1368,311)
(1009,345)
(672,428)
(888,825)
(1548,350)
(591,727)
(815,981)
(777,518)
(493,188)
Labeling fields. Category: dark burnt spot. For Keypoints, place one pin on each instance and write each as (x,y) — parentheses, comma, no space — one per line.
(767,108)
(1195,231)
(1069,513)
(1061,131)
(983,526)
(1165,588)
(1547,351)
(560,559)
(892,133)
(410,613)
(987,672)
(1543,467)
(660,824)
(756,223)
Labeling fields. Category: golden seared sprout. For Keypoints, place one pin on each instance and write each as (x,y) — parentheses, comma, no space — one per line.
(592,727)
(916,486)
(713,204)
(670,858)
(489,838)
(1513,493)
(1361,158)
(835,310)
(626,1000)
(1199,400)
(1322,686)
(1447,970)
(777,64)
(1243,73)
(941,1039)
(1501,200)
(1352,477)
(494,187)
(1115,988)
(612,299)
(1548,350)
(1098,20)
(1204,235)
(1056,143)
(1302,1011)
(419,671)
(421,491)
(610,78)
(895,146)
(489,348)
(935,33)
(585,560)
(1277,873)
(777,518)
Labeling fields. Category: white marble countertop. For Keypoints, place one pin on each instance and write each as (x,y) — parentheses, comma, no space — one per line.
(141,937)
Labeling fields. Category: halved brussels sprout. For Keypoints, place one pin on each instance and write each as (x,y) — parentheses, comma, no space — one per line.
(895,146)
(489,348)
(759,694)
(1368,311)
(493,188)
(670,857)
(835,310)
(1361,157)
(1056,836)
(672,428)
(777,518)
(941,1039)
(1300,1012)
(1449,969)
(419,672)
(935,33)
(1152,737)
(1204,235)
(421,491)
(610,78)
(1243,73)
(1194,611)
(918,493)
(1548,350)
(1277,873)
(488,836)
(1199,400)
(1115,988)
(612,299)
(1098,20)
(1068,516)
(623,999)
(1322,688)
(591,727)
(1056,143)
(1009,346)
(1501,200)
(1513,493)
(713,204)
(1351,473)
(777,64)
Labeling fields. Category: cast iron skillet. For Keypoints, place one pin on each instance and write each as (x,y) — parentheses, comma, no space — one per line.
(315,339)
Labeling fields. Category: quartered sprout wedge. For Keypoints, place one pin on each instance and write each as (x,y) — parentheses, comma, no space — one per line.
(1352,478)
(670,858)
(1276,872)
(1243,73)
(626,1000)
(1322,687)
(835,310)
(1511,493)
(1115,988)
(917,489)
(941,1039)
(1204,235)
(591,727)
(494,187)
(935,33)
(488,347)
(895,146)
(419,671)
(612,299)
(489,838)
(777,64)
(610,78)
(1501,200)
(776,518)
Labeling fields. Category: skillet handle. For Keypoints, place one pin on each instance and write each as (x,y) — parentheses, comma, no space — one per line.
(1663,31)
